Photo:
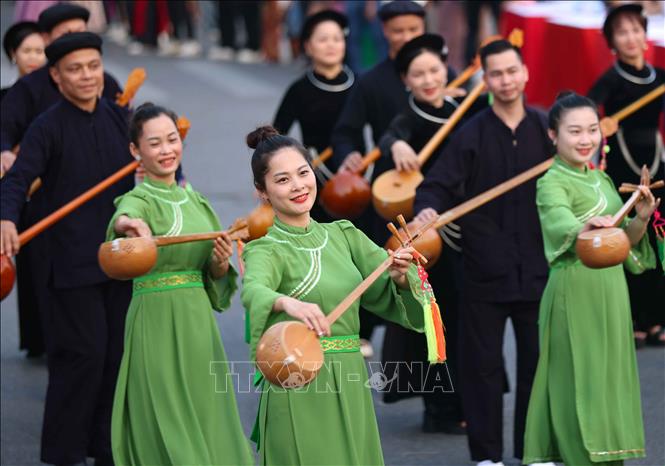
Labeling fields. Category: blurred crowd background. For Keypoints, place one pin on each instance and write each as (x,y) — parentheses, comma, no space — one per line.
(267,31)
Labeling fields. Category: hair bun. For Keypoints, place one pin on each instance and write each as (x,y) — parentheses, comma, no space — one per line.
(260,134)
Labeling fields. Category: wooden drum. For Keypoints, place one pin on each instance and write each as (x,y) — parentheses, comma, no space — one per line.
(289,354)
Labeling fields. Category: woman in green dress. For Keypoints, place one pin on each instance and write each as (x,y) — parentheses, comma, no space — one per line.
(171,407)
(301,270)
(585,403)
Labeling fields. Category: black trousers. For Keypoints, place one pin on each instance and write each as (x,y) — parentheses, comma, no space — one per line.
(250,12)
(29,285)
(445,280)
(181,19)
(481,369)
(84,343)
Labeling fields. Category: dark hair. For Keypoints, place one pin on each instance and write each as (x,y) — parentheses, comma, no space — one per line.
(496,47)
(16,34)
(625,12)
(403,65)
(566,101)
(146,112)
(266,140)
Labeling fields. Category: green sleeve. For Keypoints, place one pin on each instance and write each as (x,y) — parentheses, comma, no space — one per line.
(220,290)
(641,256)
(259,287)
(383,298)
(132,204)
(557,221)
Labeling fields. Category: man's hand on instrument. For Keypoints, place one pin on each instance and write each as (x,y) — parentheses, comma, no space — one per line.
(308,313)
(404,157)
(132,227)
(401,262)
(9,242)
(7,159)
(426,215)
(352,162)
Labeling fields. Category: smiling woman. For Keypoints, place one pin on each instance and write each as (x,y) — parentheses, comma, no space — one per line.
(300,270)
(585,330)
(171,334)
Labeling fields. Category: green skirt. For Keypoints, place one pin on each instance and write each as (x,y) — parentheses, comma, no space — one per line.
(171,404)
(585,403)
(330,421)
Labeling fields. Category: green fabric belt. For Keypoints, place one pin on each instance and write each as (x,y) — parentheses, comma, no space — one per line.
(155,282)
(340,344)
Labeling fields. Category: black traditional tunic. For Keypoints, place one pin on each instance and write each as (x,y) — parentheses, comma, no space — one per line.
(31,337)
(502,244)
(72,150)
(29,97)
(638,142)
(377,98)
(315,103)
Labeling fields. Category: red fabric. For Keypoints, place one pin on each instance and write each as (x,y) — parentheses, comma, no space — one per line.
(438,327)
(563,57)
(140,16)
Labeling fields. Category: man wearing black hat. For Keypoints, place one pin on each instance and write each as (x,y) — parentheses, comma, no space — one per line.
(72,146)
(36,92)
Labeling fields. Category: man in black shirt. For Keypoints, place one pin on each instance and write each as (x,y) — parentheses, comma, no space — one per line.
(504,267)
(72,146)
(36,92)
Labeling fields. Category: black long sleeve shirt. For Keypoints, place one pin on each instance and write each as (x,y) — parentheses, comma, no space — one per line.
(316,110)
(29,97)
(614,92)
(71,150)
(502,245)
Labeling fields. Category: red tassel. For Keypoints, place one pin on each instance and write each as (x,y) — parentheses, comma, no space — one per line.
(438,327)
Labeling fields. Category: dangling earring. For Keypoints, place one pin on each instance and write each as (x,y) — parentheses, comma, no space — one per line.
(408,89)
(605,149)
(13,60)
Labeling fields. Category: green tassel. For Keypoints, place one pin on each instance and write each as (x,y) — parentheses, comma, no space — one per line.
(660,244)
(430,333)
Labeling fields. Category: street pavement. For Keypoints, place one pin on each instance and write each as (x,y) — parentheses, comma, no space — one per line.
(224,102)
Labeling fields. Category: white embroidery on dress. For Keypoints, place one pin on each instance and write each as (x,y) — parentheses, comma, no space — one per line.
(313,275)
(176,226)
